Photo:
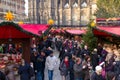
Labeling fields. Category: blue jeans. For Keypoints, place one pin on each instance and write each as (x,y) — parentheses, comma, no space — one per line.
(50,74)
(78,79)
(39,75)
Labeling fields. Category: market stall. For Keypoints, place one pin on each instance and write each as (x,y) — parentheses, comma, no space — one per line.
(108,29)
(11,33)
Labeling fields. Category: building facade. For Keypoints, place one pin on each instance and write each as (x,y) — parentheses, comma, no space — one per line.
(17,7)
(63,12)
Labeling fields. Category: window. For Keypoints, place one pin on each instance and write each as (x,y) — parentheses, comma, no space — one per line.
(75,1)
(67,1)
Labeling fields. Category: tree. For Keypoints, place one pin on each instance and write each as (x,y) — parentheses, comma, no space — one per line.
(89,38)
(108,8)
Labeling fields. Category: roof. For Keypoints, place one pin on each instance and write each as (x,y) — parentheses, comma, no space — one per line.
(107,31)
(12,30)
(78,31)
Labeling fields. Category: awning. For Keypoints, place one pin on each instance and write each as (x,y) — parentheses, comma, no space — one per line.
(77,32)
(107,31)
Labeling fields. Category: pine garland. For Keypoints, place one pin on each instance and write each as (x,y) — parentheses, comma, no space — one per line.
(46,32)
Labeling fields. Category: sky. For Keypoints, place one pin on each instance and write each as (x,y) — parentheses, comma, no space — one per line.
(26,7)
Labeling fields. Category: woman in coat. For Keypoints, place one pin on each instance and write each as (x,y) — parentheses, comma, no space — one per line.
(78,70)
(64,68)
(88,68)
(10,70)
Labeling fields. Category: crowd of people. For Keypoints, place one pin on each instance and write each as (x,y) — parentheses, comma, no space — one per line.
(77,62)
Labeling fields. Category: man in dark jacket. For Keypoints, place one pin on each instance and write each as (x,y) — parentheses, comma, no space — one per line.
(85,52)
(25,71)
(2,76)
(94,59)
(40,65)
(97,74)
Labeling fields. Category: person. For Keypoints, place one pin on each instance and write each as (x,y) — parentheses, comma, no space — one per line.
(116,64)
(51,63)
(48,42)
(40,66)
(78,67)
(25,71)
(99,49)
(88,68)
(72,62)
(1,49)
(2,76)
(33,59)
(103,54)
(48,51)
(111,76)
(11,49)
(85,52)
(64,68)
(97,75)
(94,59)
(109,60)
(9,70)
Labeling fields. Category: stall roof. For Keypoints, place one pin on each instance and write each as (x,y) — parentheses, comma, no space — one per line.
(12,30)
(34,28)
(77,31)
(107,31)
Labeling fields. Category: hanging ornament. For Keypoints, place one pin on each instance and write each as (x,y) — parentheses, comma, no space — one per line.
(93,24)
(51,22)
(9,16)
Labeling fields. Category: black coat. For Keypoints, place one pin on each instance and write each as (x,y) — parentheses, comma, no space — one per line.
(117,69)
(84,51)
(96,77)
(24,72)
(95,60)
(40,63)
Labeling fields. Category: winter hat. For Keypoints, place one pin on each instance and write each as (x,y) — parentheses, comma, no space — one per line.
(95,50)
(98,68)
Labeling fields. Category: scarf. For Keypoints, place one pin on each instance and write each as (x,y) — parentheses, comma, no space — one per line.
(66,63)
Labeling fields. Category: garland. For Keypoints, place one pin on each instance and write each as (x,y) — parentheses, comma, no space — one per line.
(46,32)
(22,30)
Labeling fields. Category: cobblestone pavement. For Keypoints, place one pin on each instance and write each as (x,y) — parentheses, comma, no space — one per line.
(56,75)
